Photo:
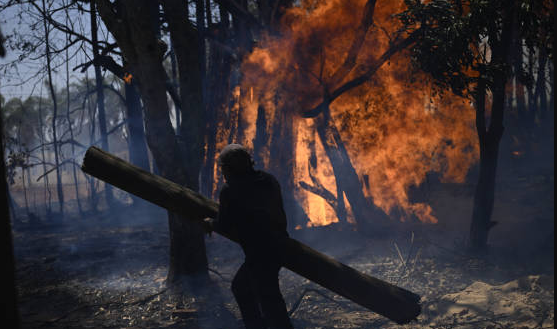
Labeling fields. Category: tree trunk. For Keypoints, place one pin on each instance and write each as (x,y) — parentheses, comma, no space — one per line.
(10,314)
(281,164)
(137,146)
(191,68)
(218,91)
(489,139)
(47,193)
(530,117)
(174,77)
(541,93)
(485,189)
(93,198)
(54,115)
(484,196)
(70,127)
(346,177)
(131,26)
(524,112)
(552,86)
(100,96)
(261,139)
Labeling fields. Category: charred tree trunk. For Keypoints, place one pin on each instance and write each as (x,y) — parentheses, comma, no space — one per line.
(489,139)
(70,127)
(137,145)
(93,198)
(47,193)
(218,81)
(523,111)
(100,94)
(261,140)
(131,24)
(174,82)
(397,304)
(281,163)
(485,188)
(551,108)
(347,179)
(191,69)
(532,111)
(541,93)
(54,115)
(10,314)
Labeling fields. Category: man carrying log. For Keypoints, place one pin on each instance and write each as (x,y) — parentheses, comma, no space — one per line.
(395,303)
(251,205)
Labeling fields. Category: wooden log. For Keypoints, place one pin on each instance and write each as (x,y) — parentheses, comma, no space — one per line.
(395,303)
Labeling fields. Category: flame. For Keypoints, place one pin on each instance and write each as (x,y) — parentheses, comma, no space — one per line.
(394,127)
(127,78)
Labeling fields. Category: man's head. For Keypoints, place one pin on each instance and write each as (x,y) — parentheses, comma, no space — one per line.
(235,161)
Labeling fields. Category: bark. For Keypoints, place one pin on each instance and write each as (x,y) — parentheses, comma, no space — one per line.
(395,303)
(541,93)
(522,110)
(347,179)
(190,62)
(92,183)
(218,91)
(485,188)
(174,81)
(281,163)
(137,144)
(490,138)
(551,108)
(70,129)
(47,193)
(100,94)
(10,313)
(530,116)
(130,24)
(59,190)
(261,139)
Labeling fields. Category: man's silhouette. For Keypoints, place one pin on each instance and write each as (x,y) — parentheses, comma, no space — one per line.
(251,205)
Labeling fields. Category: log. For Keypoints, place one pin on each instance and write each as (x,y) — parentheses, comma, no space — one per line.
(395,303)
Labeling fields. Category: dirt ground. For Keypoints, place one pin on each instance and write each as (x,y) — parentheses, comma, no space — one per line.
(108,270)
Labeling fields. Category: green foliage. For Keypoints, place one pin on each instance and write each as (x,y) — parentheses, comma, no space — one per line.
(457,37)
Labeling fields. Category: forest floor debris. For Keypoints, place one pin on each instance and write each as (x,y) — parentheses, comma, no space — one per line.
(109,271)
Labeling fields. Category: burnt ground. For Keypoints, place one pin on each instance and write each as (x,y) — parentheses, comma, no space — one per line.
(108,270)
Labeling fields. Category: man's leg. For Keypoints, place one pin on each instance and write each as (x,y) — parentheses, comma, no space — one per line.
(270,298)
(242,289)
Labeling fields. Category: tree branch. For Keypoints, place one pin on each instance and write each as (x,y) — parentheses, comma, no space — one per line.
(364,77)
(237,11)
(350,60)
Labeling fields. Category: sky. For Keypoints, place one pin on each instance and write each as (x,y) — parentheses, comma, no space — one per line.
(22,76)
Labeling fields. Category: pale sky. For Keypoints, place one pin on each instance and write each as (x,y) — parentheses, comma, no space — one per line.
(23,78)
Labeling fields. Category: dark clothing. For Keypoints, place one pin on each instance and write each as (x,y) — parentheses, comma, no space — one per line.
(257,292)
(252,206)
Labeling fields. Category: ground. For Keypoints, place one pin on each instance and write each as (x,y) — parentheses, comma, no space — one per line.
(107,270)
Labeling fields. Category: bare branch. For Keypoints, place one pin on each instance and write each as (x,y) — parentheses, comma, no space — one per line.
(369,71)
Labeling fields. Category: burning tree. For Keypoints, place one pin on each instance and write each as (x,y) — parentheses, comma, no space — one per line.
(332,106)
(465,46)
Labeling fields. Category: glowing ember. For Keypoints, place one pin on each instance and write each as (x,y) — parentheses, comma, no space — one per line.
(128,78)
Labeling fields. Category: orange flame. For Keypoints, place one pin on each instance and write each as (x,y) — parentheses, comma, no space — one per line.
(394,127)
(127,78)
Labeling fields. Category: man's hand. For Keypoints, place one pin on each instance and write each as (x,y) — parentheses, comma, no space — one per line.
(208,225)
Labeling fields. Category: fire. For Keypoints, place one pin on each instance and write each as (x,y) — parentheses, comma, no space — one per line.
(394,127)
(127,78)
